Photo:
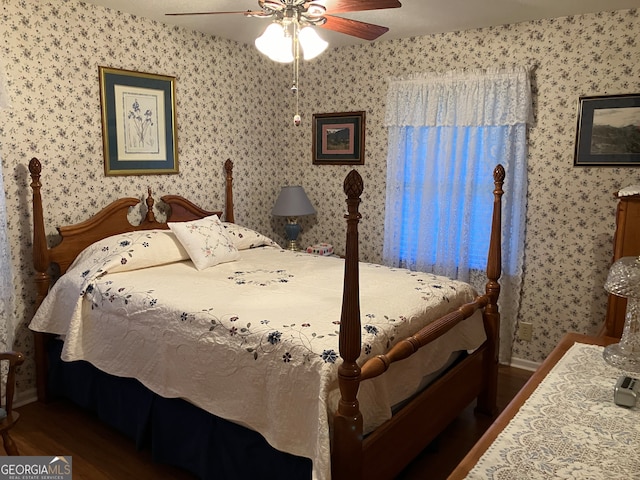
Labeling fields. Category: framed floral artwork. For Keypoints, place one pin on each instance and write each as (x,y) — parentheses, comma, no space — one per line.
(139,130)
(338,138)
(608,131)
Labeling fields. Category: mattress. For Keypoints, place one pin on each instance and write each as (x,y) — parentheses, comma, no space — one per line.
(253,340)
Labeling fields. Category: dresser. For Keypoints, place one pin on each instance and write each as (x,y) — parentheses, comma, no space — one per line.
(562,424)
(626,242)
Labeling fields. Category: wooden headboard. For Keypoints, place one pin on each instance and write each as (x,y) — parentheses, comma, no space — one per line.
(109,221)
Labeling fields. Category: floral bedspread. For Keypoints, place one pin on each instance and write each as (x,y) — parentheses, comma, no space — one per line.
(255,340)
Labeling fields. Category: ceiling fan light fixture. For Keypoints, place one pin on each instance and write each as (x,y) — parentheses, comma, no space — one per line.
(291,29)
(312,44)
(284,51)
(275,44)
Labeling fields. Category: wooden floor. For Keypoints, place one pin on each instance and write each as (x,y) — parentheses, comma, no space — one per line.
(439,459)
(100,453)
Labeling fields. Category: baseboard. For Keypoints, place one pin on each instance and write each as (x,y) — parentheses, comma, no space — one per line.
(25,397)
(524,364)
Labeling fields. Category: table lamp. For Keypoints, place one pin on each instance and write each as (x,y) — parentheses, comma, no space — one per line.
(292,203)
(624,280)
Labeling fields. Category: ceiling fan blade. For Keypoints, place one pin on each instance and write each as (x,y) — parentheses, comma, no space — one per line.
(245,12)
(355,28)
(343,6)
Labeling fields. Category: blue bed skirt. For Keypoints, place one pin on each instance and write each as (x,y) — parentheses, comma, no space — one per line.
(176,432)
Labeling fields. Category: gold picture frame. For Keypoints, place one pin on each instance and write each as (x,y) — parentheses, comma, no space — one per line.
(139,130)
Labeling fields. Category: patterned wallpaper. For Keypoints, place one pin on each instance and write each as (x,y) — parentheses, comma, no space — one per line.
(232,103)
(570,219)
(51,51)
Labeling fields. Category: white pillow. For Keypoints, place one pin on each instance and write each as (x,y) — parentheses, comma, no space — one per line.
(131,251)
(244,238)
(205,241)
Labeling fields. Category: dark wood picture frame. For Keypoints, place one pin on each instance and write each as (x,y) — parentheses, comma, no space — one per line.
(139,131)
(608,131)
(338,138)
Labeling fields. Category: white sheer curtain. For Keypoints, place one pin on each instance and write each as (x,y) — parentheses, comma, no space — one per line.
(447,132)
(7,322)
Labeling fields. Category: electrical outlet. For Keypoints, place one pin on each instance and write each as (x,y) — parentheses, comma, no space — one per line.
(525,331)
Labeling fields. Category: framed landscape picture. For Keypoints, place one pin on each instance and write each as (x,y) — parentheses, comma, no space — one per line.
(608,131)
(139,130)
(338,138)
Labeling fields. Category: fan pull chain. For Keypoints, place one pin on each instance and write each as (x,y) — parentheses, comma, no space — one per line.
(296,61)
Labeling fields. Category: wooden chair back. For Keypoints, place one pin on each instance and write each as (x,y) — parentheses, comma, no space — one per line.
(9,361)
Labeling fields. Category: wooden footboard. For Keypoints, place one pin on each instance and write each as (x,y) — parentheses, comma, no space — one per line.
(409,431)
(415,426)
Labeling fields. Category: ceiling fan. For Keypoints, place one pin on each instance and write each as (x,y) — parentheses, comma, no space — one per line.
(290,30)
(318,13)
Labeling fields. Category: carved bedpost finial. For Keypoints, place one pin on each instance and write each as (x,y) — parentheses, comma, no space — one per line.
(150,217)
(353,185)
(498,175)
(35,167)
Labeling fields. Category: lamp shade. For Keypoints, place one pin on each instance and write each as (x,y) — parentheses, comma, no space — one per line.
(292,202)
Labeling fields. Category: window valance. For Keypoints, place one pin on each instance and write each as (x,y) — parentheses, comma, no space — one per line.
(498,97)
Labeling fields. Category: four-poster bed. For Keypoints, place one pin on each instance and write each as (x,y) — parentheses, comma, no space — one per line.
(358,448)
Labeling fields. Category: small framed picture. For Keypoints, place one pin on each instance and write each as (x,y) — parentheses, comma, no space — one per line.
(139,132)
(338,138)
(608,131)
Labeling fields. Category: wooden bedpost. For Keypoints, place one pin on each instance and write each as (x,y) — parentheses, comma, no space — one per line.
(40,247)
(487,400)
(346,461)
(42,278)
(228,206)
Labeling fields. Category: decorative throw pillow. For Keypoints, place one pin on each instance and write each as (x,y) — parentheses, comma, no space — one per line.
(244,238)
(205,241)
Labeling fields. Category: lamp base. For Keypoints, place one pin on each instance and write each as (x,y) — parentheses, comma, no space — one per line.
(626,354)
(616,356)
(292,229)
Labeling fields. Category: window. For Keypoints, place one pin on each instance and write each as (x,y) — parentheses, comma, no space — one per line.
(447,133)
